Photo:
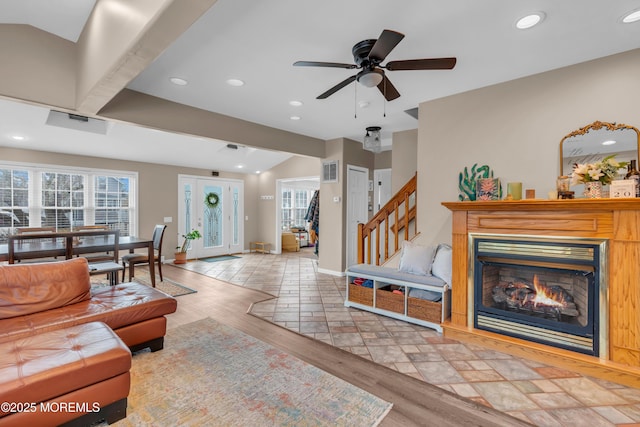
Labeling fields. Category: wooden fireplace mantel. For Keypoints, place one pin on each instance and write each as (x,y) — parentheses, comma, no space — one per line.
(617,220)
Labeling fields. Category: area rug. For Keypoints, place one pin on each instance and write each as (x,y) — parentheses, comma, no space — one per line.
(212,374)
(167,286)
(218,258)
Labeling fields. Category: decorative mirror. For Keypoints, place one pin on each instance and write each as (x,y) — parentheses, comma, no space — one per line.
(595,141)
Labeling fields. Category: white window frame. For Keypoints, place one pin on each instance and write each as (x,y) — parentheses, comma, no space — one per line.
(35,171)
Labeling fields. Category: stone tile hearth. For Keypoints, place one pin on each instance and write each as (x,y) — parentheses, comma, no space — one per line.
(311,303)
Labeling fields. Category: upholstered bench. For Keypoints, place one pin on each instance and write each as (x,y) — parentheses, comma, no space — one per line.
(77,375)
(418,291)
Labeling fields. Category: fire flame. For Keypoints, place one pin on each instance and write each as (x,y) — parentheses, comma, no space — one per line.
(544,296)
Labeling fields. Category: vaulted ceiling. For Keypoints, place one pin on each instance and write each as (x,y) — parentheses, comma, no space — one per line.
(258,42)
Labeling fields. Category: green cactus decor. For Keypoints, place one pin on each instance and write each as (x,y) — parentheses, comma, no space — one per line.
(467,181)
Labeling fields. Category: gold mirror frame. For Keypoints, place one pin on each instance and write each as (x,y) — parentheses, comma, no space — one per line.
(597,125)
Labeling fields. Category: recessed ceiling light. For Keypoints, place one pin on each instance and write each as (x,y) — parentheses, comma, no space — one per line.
(235,82)
(18,137)
(363,104)
(295,103)
(295,117)
(530,20)
(240,166)
(178,81)
(609,142)
(632,16)
(257,172)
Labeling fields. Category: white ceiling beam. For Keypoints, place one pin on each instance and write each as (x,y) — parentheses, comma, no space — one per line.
(121,38)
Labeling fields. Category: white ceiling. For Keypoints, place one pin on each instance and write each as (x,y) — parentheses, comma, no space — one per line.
(258,41)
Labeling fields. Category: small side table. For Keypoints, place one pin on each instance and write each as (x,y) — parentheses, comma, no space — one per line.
(262,247)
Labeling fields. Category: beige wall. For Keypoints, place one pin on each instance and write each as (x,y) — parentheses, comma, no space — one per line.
(157,189)
(50,62)
(332,229)
(383,160)
(404,162)
(516,128)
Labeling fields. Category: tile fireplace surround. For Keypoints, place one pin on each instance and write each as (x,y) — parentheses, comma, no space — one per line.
(616,221)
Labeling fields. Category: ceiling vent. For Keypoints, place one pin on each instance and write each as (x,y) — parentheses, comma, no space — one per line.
(330,171)
(232,146)
(77,122)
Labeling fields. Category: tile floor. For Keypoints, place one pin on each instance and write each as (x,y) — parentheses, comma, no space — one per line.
(311,303)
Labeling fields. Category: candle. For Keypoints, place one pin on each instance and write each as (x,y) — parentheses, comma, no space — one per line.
(515,190)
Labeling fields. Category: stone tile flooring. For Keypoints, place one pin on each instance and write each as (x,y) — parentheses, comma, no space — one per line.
(311,303)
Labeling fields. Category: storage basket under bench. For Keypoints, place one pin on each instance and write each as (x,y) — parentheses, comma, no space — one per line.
(421,299)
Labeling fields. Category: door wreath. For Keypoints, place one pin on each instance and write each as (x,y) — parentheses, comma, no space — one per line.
(212,200)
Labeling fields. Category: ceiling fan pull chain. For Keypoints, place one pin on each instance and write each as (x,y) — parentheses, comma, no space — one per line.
(355,101)
(384,101)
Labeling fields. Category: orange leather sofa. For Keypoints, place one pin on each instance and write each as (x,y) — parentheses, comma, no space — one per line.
(47,296)
(60,341)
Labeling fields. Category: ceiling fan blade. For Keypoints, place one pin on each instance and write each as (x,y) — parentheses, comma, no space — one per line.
(422,64)
(323,64)
(388,90)
(337,87)
(385,44)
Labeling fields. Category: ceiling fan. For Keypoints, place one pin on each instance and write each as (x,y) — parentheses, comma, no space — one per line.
(368,56)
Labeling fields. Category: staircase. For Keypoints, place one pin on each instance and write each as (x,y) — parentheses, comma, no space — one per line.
(380,238)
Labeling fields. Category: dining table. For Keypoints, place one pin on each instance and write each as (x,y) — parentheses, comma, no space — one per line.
(56,245)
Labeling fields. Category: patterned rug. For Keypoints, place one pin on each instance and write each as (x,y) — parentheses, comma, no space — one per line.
(168,286)
(212,374)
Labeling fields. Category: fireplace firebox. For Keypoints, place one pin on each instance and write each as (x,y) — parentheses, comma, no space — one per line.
(541,290)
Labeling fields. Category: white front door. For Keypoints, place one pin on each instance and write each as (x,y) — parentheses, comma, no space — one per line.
(215,208)
(357,208)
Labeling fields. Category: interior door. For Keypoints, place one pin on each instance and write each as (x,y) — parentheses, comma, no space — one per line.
(214,207)
(357,207)
(381,188)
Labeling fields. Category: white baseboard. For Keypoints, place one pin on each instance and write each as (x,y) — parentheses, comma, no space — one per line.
(331,272)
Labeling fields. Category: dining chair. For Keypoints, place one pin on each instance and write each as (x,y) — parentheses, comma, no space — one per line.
(130,260)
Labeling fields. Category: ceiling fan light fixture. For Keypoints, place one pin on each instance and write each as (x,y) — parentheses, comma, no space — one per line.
(370,78)
(530,20)
(371,141)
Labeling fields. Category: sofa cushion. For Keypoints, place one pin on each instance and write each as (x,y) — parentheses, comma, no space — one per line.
(392,273)
(33,288)
(117,306)
(415,259)
(48,365)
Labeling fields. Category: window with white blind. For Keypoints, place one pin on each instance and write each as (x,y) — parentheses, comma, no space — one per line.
(65,198)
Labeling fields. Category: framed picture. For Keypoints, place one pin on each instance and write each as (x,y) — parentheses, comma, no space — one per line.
(488,189)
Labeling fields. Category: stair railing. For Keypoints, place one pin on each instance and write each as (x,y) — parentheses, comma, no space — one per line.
(379,239)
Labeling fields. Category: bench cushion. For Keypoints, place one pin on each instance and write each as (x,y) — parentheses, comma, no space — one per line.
(392,273)
(33,288)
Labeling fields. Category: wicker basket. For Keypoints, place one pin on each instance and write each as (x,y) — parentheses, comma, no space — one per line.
(361,294)
(387,300)
(424,310)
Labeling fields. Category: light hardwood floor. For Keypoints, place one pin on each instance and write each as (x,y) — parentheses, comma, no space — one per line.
(414,402)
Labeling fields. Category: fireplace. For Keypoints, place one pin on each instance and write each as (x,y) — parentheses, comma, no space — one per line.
(550,291)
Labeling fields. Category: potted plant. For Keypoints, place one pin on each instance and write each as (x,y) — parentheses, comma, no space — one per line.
(181,251)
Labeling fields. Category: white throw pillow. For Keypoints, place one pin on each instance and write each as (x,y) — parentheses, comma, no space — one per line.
(415,259)
(442,263)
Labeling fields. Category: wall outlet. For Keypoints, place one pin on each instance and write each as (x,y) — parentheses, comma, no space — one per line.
(168,219)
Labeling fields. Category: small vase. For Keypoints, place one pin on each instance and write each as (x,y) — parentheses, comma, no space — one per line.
(593,190)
